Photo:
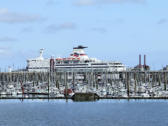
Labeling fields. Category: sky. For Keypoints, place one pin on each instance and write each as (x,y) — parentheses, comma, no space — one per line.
(113,30)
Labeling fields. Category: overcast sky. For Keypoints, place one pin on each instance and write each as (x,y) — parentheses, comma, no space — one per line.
(112,29)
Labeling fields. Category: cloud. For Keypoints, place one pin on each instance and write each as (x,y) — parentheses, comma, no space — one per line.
(7,16)
(162,21)
(7,39)
(119,20)
(4,51)
(50,2)
(99,2)
(85,2)
(65,26)
(100,30)
(26,30)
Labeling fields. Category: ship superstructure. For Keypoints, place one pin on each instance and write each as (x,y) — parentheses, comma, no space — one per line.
(77,61)
(39,64)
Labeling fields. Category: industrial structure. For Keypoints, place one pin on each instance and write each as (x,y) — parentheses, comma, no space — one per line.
(140,66)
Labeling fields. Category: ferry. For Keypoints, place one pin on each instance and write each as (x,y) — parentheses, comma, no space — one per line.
(77,61)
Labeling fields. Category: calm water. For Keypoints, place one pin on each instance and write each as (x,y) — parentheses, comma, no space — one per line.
(100,113)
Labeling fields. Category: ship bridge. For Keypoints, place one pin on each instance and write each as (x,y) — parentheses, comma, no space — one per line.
(78,52)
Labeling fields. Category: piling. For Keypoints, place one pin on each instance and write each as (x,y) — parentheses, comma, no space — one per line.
(165,81)
(128,84)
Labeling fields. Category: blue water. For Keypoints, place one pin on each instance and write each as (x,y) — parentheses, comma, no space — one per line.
(100,113)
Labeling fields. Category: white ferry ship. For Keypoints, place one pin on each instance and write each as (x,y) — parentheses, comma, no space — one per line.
(77,61)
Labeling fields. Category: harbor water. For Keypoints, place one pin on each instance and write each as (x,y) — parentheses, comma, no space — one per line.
(69,113)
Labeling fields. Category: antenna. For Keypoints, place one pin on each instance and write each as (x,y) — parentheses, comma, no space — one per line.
(41,52)
(80,47)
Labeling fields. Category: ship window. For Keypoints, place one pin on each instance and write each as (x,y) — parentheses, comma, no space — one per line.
(66,62)
(86,61)
(76,61)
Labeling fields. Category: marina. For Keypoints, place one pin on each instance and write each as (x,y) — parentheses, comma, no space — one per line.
(80,76)
(83,63)
(125,84)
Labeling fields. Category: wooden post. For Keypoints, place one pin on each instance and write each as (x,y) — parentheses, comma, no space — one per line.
(73,79)
(96,82)
(135,80)
(65,83)
(145,77)
(22,88)
(92,76)
(155,82)
(159,79)
(165,81)
(48,86)
(152,80)
(125,80)
(128,84)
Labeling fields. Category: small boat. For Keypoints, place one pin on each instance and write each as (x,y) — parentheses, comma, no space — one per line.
(3,93)
(68,92)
